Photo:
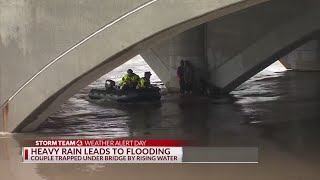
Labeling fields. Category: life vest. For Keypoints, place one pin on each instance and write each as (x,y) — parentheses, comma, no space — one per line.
(143,83)
(130,81)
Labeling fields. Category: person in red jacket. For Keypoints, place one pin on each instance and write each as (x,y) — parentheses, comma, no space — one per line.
(180,74)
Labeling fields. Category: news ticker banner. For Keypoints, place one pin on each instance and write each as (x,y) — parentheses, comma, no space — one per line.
(133,151)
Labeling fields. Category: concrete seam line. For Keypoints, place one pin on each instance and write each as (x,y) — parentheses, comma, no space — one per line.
(159,58)
(77,45)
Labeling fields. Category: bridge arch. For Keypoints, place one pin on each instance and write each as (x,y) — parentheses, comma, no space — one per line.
(91,59)
(113,44)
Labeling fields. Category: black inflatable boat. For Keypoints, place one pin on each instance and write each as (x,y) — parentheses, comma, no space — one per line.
(138,95)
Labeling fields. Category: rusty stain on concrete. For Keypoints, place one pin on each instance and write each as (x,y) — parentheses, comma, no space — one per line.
(5,117)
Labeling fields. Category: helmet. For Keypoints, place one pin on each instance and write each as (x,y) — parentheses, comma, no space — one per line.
(148,73)
(129,71)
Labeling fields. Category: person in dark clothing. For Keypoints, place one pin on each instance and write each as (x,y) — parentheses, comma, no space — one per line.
(188,77)
(110,85)
(204,87)
(180,74)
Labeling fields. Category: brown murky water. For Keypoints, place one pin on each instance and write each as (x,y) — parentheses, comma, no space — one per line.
(276,110)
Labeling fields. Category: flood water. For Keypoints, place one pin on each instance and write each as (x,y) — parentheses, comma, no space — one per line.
(276,110)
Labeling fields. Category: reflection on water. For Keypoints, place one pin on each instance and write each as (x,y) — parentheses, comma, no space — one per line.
(276,110)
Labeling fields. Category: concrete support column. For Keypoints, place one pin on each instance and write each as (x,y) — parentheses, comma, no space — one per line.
(304,58)
(165,58)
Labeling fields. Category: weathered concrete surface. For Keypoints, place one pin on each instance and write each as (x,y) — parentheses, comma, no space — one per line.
(33,33)
(265,50)
(239,45)
(165,58)
(36,32)
(304,58)
(242,44)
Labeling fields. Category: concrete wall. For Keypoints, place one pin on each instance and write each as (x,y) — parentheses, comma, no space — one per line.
(227,41)
(238,45)
(304,58)
(33,33)
(244,43)
(165,58)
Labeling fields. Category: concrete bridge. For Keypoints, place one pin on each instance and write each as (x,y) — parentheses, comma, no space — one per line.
(52,49)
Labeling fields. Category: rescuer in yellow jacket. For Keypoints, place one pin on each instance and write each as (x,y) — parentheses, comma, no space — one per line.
(145,81)
(129,80)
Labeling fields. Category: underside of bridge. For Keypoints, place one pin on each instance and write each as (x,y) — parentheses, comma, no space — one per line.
(229,50)
(60,50)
